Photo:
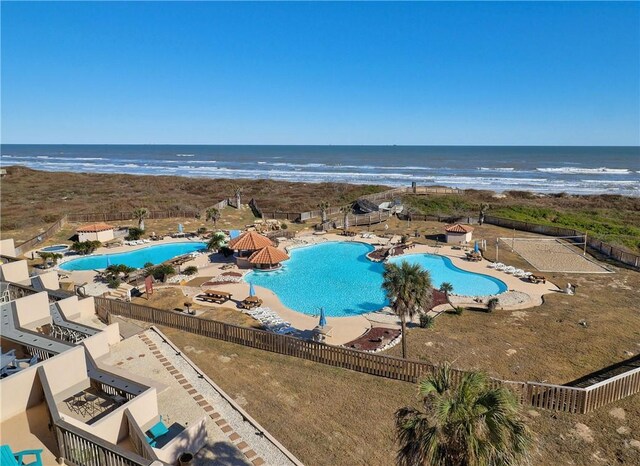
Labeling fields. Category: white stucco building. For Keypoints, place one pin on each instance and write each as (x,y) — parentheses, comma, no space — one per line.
(95,232)
(458,234)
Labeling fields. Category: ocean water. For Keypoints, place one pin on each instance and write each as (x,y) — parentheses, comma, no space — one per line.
(577,170)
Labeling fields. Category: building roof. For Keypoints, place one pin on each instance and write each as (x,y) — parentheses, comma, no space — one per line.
(94,228)
(458,228)
(250,241)
(268,255)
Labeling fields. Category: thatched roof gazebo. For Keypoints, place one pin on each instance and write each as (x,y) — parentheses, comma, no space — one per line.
(268,257)
(250,241)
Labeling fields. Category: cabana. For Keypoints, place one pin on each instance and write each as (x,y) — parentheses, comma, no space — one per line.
(268,258)
(95,232)
(458,233)
(246,244)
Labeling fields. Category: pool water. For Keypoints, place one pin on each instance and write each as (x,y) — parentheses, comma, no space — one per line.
(338,277)
(56,248)
(154,254)
(464,283)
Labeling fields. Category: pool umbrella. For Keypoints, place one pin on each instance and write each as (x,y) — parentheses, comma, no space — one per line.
(323,319)
(252,292)
(180,228)
(475,248)
(108,261)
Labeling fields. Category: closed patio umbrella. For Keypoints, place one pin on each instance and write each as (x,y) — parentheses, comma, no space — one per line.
(323,319)
(252,292)
(475,248)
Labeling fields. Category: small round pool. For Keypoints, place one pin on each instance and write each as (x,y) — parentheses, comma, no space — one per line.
(338,277)
(153,254)
(56,248)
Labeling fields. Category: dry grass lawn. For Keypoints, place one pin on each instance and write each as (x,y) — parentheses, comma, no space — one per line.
(331,416)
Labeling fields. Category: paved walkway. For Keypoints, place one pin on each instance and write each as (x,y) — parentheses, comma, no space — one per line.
(248,440)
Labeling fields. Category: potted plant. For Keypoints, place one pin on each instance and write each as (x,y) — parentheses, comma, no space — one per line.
(185,458)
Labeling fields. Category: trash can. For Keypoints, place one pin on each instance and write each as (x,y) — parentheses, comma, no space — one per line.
(186,459)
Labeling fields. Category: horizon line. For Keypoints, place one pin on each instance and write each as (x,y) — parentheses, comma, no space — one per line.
(310,145)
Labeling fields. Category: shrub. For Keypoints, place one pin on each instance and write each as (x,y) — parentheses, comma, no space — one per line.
(284,226)
(492,304)
(202,230)
(147,265)
(160,272)
(85,247)
(134,234)
(426,321)
(191,270)
(458,310)
(113,282)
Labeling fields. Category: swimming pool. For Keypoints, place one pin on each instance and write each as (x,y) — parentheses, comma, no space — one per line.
(154,254)
(338,277)
(55,248)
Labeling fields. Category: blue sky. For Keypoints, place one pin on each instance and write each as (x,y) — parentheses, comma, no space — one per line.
(321,73)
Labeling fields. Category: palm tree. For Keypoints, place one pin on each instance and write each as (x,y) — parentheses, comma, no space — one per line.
(216,242)
(54,257)
(323,206)
(409,289)
(346,210)
(447,288)
(140,214)
(467,423)
(213,214)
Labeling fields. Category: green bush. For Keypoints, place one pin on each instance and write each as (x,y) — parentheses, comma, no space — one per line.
(202,230)
(284,226)
(85,247)
(426,321)
(191,270)
(147,265)
(134,234)
(160,272)
(458,310)
(113,282)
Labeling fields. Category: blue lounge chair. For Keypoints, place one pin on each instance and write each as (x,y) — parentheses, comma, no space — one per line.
(8,457)
(155,432)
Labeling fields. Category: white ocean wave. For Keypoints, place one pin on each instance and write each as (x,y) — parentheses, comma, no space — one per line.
(497,169)
(586,171)
(185,155)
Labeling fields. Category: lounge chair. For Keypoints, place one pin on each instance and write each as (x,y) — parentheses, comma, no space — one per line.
(9,458)
(155,432)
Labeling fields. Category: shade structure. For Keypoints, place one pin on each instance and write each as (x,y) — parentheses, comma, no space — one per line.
(323,319)
(252,291)
(250,241)
(268,256)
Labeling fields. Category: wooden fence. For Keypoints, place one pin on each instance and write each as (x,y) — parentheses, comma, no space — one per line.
(608,250)
(539,395)
(48,233)
(119,216)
